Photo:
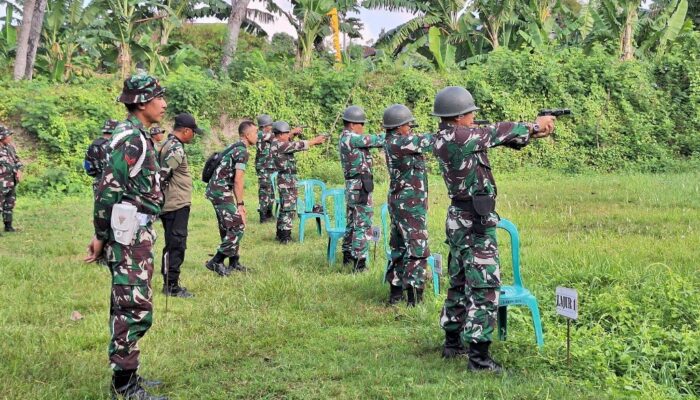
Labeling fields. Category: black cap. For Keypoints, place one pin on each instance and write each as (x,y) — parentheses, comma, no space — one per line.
(185,120)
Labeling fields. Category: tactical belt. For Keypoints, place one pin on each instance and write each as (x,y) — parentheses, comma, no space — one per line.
(466,205)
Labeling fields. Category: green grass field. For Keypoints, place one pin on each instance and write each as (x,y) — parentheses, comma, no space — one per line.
(297,328)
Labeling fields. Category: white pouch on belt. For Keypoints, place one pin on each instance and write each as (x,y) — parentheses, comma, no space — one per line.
(124,223)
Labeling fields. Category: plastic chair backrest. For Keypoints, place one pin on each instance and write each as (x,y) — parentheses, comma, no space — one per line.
(514,249)
(307,196)
(337,211)
(385,227)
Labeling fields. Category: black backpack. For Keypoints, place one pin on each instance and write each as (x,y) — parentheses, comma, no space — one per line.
(212,162)
(94,157)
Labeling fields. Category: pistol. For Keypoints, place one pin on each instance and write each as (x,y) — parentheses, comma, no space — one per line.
(481,122)
(555,112)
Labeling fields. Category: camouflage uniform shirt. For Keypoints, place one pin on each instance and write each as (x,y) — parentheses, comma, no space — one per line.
(263,158)
(220,186)
(122,181)
(9,166)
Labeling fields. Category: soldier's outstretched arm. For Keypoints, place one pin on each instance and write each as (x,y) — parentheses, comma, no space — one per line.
(367,141)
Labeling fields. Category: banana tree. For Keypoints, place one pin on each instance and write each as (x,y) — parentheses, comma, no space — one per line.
(8,33)
(661,26)
(308,17)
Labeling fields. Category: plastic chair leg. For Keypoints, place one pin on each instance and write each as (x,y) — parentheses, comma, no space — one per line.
(436,277)
(318,225)
(331,250)
(536,321)
(301,229)
(502,323)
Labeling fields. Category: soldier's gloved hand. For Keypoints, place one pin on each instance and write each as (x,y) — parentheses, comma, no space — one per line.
(94,250)
(546,123)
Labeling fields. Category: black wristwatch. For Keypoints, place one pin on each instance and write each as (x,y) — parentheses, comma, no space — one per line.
(240,204)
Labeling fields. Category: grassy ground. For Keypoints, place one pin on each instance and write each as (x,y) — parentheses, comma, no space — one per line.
(295,328)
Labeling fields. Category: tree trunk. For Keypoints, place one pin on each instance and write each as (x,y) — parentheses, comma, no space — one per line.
(23,40)
(626,47)
(238,14)
(124,59)
(34,36)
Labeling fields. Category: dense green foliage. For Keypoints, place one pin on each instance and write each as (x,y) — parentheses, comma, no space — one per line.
(296,328)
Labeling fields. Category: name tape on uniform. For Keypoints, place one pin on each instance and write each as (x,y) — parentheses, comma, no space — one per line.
(567,302)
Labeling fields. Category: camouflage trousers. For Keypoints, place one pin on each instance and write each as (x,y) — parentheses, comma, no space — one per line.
(287,186)
(230,228)
(408,240)
(359,214)
(266,196)
(472,300)
(8,199)
(131,310)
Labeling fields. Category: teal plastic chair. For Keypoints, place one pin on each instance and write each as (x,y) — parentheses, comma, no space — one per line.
(387,252)
(306,200)
(516,294)
(276,192)
(335,219)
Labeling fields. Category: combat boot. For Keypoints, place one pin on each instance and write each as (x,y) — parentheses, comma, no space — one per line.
(453,345)
(8,227)
(132,389)
(270,217)
(284,237)
(413,296)
(348,258)
(360,265)
(263,216)
(175,290)
(216,264)
(395,295)
(235,266)
(480,359)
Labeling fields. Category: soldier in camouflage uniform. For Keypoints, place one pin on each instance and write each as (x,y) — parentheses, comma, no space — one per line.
(10,175)
(264,167)
(462,147)
(282,151)
(157,134)
(96,154)
(131,176)
(225,191)
(359,183)
(408,204)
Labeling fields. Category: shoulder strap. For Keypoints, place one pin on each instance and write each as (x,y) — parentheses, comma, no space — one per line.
(119,140)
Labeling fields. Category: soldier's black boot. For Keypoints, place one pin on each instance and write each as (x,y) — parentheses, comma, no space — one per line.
(8,227)
(127,385)
(268,214)
(453,345)
(284,237)
(480,359)
(411,296)
(217,265)
(395,295)
(347,258)
(174,289)
(263,216)
(360,265)
(234,265)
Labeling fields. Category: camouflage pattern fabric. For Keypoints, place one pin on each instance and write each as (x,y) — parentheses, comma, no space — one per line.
(140,88)
(220,193)
(9,167)
(95,160)
(357,167)
(264,168)
(286,166)
(408,205)
(131,175)
(472,299)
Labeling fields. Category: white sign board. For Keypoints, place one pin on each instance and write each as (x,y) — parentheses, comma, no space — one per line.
(438,263)
(567,302)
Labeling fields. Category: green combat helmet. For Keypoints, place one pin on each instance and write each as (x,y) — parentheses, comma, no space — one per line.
(4,132)
(354,114)
(280,127)
(264,120)
(453,101)
(109,126)
(397,115)
(140,89)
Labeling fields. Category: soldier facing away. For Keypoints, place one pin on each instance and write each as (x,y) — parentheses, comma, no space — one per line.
(97,153)
(408,204)
(176,182)
(282,150)
(127,202)
(264,168)
(359,183)
(225,191)
(469,313)
(10,175)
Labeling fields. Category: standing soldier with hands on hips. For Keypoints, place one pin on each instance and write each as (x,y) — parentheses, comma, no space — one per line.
(408,205)
(359,183)
(225,191)
(10,175)
(469,313)
(127,202)
(265,167)
(282,151)
(97,152)
(176,182)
